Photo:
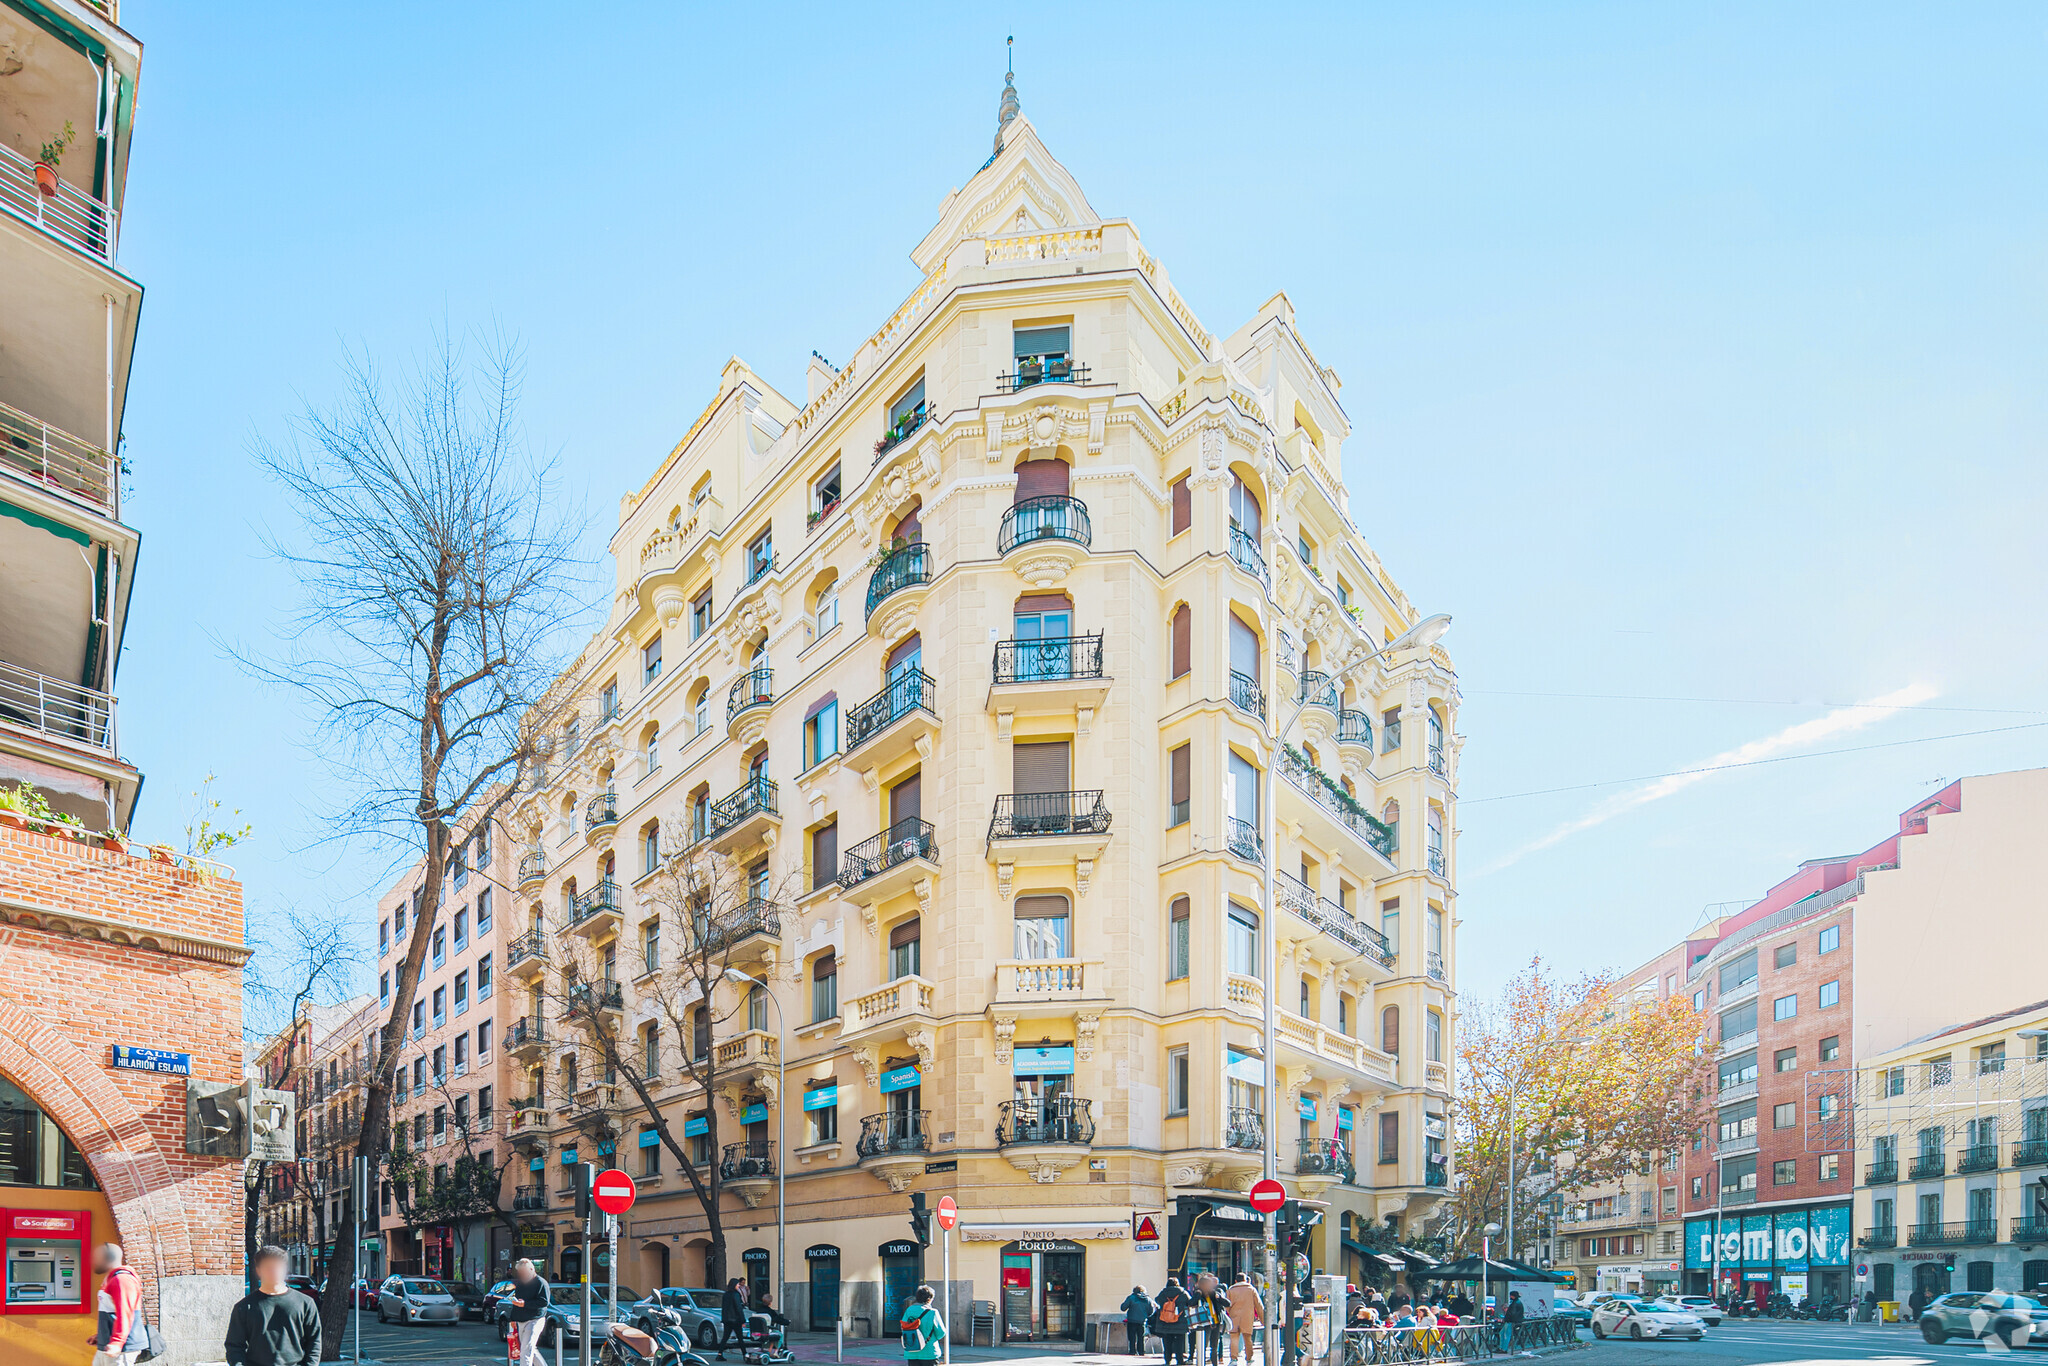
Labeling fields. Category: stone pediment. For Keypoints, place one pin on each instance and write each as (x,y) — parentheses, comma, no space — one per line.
(1023,189)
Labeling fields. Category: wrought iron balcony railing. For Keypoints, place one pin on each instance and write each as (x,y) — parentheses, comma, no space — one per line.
(1242,837)
(757,797)
(526,1031)
(1982,1157)
(598,900)
(1324,1157)
(1056,517)
(597,996)
(1955,1234)
(1244,1128)
(1027,815)
(905,568)
(1245,550)
(907,839)
(1436,1174)
(1055,659)
(1437,763)
(899,1131)
(1043,372)
(1312,783)
(601,810)
(2030,1229)
(1354,728)
(2030,1152)
(533,866)
(1055,1119)
(1880,1173)
(1246,694)
(755,688)
(526,1198)
(1315,690)
(756,915)
(902,430)
(747,1161)
(1883,1235)
(906,692)
(1928,1164)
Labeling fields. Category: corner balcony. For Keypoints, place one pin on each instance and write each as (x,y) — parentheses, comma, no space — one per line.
(889,864)
(1355,728)
(747,704)
(1054,674)
(600,815)
(746,932)
(526,1038)
(61,209)
(1340,935)
(533,868)
(748,1170)
(1330,815)
(1245,554)
(1246,695)
(894,722)
(900,431)
(894,1145)
(1042,539)
(1043,1138)
(526,957)
(595,914)
(1321,1163)
(1048,371)
(55,461)
(896,589)
(1324,1047)
(745,817)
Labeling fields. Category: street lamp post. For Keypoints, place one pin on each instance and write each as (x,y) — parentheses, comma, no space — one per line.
(781,1111)
(1423,633)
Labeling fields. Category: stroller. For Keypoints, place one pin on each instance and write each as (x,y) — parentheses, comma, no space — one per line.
(765,1344)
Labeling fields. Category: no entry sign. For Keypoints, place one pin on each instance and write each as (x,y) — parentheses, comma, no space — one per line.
(614,1191)
(1268,1196)
(949,1213)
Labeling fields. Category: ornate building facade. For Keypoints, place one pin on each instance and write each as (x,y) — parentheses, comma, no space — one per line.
(986,721)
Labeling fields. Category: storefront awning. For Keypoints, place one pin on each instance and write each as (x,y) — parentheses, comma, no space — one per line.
(1373,1258)
(1421,1261)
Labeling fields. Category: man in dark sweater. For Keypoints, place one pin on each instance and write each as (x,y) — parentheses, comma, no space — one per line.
(527,1313)
(276,1326)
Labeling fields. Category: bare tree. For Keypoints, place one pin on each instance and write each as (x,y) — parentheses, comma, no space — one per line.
(432,566)
(304,962)
(708,913)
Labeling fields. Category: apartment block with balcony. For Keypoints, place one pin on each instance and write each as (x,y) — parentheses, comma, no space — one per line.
(453,1094)
(1952,1134)
(322,1058)
(971,660)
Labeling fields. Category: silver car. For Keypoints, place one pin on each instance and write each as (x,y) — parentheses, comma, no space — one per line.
(565,1312)
(416,1299)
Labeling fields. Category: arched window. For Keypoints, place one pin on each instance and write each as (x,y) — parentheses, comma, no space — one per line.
(650,750)
(1177,939)
(1390,1030)
(824,987)
(700,707)
(650,1051)
(650,847)
(1183,641)
(33,1150)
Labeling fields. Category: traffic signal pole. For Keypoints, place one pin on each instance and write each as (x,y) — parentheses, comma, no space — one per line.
(586,1177)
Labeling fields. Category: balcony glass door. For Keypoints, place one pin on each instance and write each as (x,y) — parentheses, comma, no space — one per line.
(1044,643)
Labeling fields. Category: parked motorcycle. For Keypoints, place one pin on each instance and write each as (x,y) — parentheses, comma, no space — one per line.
(667,1345)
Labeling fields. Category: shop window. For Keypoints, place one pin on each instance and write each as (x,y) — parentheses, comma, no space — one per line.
(34,1151)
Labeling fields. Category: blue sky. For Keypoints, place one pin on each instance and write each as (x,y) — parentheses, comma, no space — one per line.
(1691,352)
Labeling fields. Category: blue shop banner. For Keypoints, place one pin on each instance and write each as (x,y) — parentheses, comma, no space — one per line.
(754,1114)
(1308,1107)
(899,1079)
(821,1098)
(1344,1118)
(568,1157)
(649,1138)
(1052,1061)
(696,1126)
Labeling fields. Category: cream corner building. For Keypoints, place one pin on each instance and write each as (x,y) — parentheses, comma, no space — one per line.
(976,643)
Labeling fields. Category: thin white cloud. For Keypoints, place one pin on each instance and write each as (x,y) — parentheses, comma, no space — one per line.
(1841,721)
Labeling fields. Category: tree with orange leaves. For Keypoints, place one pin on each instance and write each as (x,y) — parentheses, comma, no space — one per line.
(1592,1078)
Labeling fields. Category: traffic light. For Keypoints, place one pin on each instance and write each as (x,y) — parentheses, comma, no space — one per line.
(1293,1224)
(920,1219)
(586,1177)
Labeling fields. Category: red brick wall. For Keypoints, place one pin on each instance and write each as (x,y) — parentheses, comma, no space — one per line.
(70,989)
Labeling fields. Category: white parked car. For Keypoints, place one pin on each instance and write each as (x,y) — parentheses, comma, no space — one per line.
(1709,1312)
(1641,1320)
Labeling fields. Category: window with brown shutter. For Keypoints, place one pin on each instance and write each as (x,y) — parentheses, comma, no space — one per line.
(1041,908)
(1041,479)
(1180,909)
(906,800)
(1031,604)
(1183,505)
(1183,640)
(905,933)
(825,854)
(825,966)
(1390,1136)
(1040,767)
(1390,1030)
(1181,786)
(907,647)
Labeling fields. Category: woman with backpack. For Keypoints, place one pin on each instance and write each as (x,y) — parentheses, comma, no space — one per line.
(924,1332)
(1170,1321)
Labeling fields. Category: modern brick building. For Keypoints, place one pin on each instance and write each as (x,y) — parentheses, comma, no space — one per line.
(101,947)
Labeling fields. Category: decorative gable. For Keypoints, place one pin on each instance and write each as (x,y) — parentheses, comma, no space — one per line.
(1021,189)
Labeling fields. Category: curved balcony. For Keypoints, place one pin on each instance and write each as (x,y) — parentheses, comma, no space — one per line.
(1316,690)
(1246,694)
(893,1146)
(1042,1138)
(1354,728)
(595,913)
(1242,839)
(1244,1127)
(1244,550)
(748,1170)
(1349,935)
(533,867)
(1056,517)
(900,431)
(890,863)
(1324,1157)
(755,688)
(904,575)
(526,1199)
(1333,808)
(601,812)
(872,729)
(740,818)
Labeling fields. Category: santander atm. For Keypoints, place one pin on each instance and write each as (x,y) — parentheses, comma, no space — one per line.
(48,1263)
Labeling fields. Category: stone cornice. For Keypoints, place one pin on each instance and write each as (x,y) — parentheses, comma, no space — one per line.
(106,929)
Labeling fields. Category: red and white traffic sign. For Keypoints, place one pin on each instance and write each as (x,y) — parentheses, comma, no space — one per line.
(614,1191)
(1268,1196)
(949,1213)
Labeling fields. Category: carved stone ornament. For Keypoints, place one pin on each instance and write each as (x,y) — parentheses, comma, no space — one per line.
(1084,1035)
(1006,1034)
(1187,1172)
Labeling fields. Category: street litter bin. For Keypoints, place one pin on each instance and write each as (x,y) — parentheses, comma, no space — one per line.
(1888,1311)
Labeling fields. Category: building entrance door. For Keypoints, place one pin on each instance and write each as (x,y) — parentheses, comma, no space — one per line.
(1044,1281)
(1931,1277)
(823,1260)
(902,1268)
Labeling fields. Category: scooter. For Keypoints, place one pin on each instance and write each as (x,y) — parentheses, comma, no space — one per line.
(765,1344)
(667,1345)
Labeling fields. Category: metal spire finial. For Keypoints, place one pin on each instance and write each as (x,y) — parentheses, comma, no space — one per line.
(1010,107)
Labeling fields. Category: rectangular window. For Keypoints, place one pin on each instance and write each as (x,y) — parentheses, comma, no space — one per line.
(419,1018)
(650,946)
(384,989)
(1784,1173)
(1739,1021)
(1785,1060)
(383,937)
(461,992)
(483,912)
(1785,955)
(1785,1007)
(462,928)
(440,1006)
(1831,939)
(483,978)
(700,613)
(1830,1168)
(440,946)
(1390,1136)
(761,556)
(825,494)
(1699,1001)
(1830,994)
(1738,972)
(1737,1070)
(1738,1121)
(1183,505)
(1831,1048)
(1180,784)
(1177,939)
(824,1118)
(461,1054)
(1990,1057)
(1241,942)
(824,988)
(650,662)
(905,949)
(483,1041)
(827,617)
(1176,1081)
(1784,1116)
(608,702)
(821,735)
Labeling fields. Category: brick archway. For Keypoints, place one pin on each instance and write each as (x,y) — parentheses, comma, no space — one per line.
(133,1172)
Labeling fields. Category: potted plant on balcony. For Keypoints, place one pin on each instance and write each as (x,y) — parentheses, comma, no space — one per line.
(13,811)
(46,161)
